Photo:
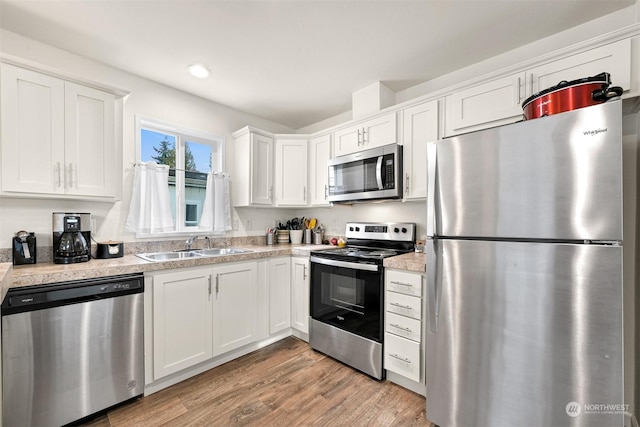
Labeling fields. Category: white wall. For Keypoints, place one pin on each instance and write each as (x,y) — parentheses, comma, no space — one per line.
(147,98)
(335,218)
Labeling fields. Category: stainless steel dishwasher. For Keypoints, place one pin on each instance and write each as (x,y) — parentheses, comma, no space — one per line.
(71,349)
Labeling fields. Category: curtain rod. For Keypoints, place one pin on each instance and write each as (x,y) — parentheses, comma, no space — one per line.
(182,170)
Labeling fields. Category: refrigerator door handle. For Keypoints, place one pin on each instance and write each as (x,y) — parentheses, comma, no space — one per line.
(433,293)
(431,185)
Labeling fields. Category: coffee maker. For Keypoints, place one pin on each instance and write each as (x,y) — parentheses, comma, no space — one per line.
(71,237)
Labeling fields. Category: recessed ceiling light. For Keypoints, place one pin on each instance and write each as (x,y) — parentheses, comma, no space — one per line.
(199,71)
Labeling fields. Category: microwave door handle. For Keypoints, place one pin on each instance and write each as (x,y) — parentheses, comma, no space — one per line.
(379,173)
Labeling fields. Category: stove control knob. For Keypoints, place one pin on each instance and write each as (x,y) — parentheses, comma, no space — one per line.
(350,228)
(357,228)
(396,230)
(404,230)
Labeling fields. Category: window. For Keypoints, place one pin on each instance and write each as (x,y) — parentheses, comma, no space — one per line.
(190,155)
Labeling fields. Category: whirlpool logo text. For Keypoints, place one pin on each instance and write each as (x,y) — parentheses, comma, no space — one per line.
(594,132)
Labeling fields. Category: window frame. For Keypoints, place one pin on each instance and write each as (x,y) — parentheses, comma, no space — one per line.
(182,135)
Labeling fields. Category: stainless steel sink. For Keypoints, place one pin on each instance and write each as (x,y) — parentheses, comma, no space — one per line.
(222,251)
(191,253)
(169,256)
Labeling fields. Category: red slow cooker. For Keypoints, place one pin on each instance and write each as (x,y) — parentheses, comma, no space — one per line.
(567,96)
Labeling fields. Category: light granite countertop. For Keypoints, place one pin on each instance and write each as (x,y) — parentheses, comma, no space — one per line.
(5,278)
(42,273)
(413,261)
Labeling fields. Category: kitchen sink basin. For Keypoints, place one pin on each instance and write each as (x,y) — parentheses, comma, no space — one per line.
(169,256)
(191,253)
(222,251)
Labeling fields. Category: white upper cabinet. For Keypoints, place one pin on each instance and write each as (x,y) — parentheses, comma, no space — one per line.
(420,126)
(58,137)
(89,135)
(485,105)
(372,133)
(614,59)
(499,101)
(253,173)
(291,184)
(320,150)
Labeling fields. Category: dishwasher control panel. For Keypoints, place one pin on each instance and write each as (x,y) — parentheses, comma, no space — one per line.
(57,294)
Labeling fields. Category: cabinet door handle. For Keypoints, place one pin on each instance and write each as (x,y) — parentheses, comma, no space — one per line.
(406,183)
(304,272)
(518,91)
(217,284)
(304,193)
(400,327)
(395,304)
(209,287)
(531,92)
(358,137)
(325,191)
(59,176)
(271,193)
(401,283)
(364,136)
(70,175)
(395,356)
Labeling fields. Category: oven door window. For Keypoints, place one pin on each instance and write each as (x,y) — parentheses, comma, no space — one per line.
(348,299)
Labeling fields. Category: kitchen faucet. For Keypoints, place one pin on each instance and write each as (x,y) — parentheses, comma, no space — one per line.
(190,241)
(208,239)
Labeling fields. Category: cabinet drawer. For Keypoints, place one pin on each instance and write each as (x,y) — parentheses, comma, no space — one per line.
(403,326)
(402,356)
(404,305)
(404,282)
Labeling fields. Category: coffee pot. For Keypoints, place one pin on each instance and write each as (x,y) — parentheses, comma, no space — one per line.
(71,237)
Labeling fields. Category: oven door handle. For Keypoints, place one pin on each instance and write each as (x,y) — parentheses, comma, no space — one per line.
(345,264)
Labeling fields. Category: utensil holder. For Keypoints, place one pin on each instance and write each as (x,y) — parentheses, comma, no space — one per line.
(270,238)
(307,236)
(296,236)
(317,238)
(283,236)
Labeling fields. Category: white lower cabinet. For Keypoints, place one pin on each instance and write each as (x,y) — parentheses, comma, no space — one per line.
(235,306)
(404,331)
(402,356)
(182,320)
(300,294)
(279,294)
(200,313)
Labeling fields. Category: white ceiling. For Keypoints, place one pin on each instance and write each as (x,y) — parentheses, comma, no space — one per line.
(294,62)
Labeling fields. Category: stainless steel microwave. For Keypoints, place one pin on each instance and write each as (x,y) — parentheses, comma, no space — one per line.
(366,175)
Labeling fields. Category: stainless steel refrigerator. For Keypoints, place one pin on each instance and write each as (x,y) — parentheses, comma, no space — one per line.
(524,274)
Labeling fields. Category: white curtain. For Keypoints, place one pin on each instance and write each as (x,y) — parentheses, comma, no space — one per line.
(150,209)
(216,212)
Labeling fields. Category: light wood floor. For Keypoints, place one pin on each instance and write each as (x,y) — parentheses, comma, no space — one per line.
(285,384)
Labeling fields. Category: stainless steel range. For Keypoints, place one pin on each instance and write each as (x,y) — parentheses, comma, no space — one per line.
(347,292)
